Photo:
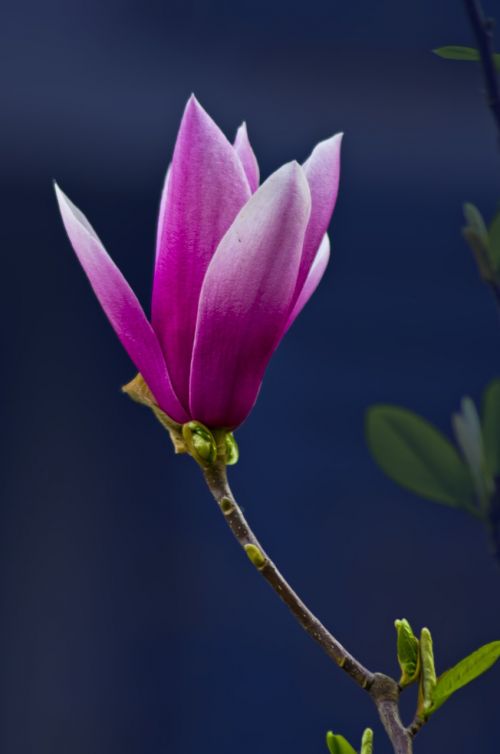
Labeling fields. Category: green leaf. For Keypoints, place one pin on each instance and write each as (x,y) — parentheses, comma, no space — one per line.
(494,241)
(467,429)
(458,52)
(469,437)
(479,239)
(232,450)
(481,252)
(338,744)
(491,426)
(464,672)
(475,221)
(416,455)
(408,652)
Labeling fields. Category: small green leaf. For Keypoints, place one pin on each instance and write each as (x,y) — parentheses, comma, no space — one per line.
(338,744)
(408,652)
(464,672)
(478,238)
(469,436)
(416,455)
(367,742)
(427,675)
(481,252)
(232,450)
(484,242)
(494,241)
(475,220)
(491,426)
(457,52)
(200,442)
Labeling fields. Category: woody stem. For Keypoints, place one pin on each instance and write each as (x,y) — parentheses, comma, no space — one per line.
(383,689)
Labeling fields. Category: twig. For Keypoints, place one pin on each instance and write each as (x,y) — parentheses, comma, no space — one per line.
(216,479)
(483,31)
(384,690)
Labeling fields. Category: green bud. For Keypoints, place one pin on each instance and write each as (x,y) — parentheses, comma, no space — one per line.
(232,450)
(427,676)
(367,742)
(200,442)
(408,652)
(256,556)
(226,505)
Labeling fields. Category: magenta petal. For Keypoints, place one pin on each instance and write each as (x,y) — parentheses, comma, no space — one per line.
(247,156)
(322,170)
(246,298)
(312,281)
(121,307)
(161,214)
(206,189)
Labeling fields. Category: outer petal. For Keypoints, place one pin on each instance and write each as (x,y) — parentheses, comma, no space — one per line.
(206,189)
(247,156)
(246,298)
(322,170)
(312,281)
(161,214)
(121,306)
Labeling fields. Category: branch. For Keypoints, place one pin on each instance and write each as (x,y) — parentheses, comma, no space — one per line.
(483,31)
(383,690)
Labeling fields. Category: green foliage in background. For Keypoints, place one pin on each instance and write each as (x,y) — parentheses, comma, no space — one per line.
(484,242)
(419,457)
(459,52)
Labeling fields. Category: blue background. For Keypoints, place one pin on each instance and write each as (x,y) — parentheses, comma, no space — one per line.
(130,622)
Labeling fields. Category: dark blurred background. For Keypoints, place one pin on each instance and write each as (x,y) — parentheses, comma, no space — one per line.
(130,622)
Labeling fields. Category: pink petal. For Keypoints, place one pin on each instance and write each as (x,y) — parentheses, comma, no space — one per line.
(121,307)
(206,189)
(248,159)
(312,281)
(161,214)
(322,170)
(246,298)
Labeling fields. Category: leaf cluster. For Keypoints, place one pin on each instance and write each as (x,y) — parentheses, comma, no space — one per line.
(416,660)
(416,455)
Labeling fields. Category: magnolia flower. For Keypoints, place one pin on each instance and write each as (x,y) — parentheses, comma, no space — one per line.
(235,264)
